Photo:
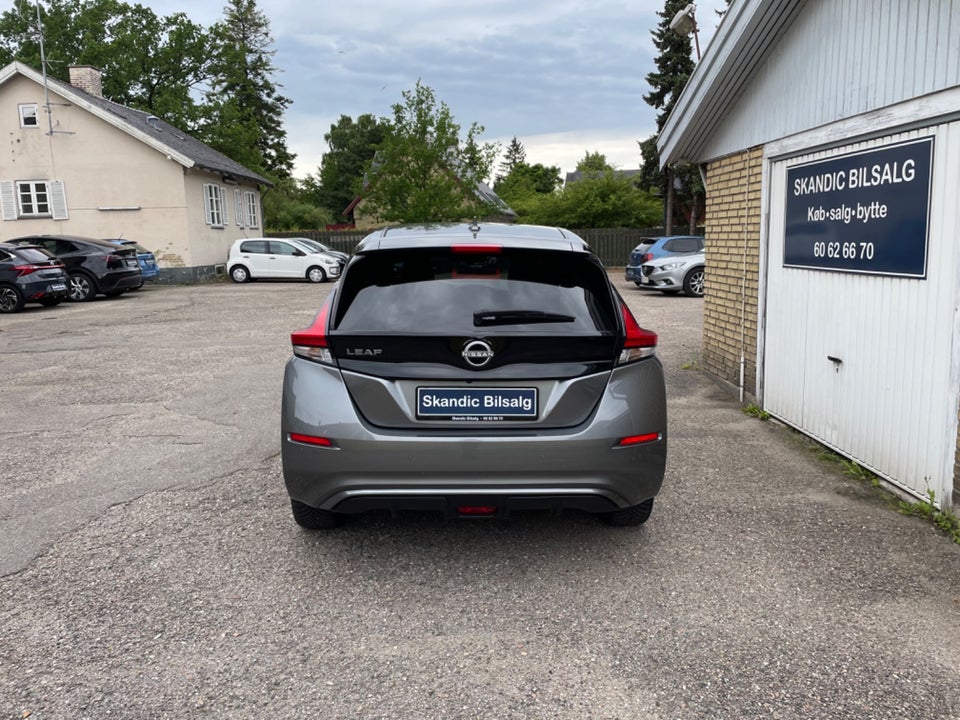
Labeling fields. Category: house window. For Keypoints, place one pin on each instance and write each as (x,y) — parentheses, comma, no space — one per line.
(213,205)
(28,115)
(33,199)
(250,200)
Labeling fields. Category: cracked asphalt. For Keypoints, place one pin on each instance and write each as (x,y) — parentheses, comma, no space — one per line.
(149,566)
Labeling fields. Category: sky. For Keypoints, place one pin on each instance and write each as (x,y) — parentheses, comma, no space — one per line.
(565,78)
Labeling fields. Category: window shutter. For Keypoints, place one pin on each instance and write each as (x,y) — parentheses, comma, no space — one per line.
(58,200)
(238,206)
(8,200)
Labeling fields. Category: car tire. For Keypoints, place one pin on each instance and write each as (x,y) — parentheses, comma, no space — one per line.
(316,274)
(11,299)
(693,282)
(313,518)
(81,287)
(630,516)
(51,302)
(239,274)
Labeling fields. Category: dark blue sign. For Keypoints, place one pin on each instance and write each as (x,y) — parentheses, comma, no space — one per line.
(865,212)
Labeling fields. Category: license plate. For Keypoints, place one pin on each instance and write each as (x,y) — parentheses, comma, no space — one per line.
(481,404)
(132,263)
(57,287)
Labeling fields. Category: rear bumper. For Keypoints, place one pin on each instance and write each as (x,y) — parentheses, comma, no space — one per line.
(120,280)
(370,467)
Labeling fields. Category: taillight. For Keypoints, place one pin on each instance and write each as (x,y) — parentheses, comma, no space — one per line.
(639,343)
(314,440)
(311,343)
(647,257)
(22,270)
(115,261)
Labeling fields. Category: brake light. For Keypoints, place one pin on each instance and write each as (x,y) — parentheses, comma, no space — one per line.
(477,510)
(476,249)
(22,270)
(311,343)
(647,257)
(114,261)
(639,343)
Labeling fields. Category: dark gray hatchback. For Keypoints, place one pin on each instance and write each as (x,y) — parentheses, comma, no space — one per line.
(473,370)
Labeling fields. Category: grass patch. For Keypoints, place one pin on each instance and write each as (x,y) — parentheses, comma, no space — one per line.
(926,509)
(754,410)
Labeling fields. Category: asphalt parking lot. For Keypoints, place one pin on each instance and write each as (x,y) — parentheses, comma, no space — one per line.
(150,568)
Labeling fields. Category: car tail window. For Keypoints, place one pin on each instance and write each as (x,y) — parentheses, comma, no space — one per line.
(502,290)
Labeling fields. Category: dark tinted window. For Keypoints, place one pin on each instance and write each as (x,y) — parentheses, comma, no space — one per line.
(34,255)
(254,246)
(4,255)
(439,292)
(682,245)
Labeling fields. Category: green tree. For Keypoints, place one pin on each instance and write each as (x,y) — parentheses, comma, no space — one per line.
(674,66)
(515,155)
(593,163)
(247,107)
(287,206)
(351,146)
(525,179)
(149,63)
(423,170)
(600,200)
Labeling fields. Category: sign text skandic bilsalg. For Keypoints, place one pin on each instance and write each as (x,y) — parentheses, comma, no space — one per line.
(861,212)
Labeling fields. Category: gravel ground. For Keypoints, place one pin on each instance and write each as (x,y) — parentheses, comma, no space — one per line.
(151,569)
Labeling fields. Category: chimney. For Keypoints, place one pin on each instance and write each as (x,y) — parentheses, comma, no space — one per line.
(87,78)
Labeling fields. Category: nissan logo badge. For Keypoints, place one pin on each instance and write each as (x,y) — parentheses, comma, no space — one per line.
(477,353)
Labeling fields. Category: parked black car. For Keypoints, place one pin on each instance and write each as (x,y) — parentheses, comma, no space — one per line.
(29,274)
(94,266)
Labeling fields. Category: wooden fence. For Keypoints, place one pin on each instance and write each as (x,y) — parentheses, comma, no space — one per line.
(612,245)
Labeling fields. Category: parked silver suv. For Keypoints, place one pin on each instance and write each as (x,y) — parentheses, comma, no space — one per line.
(473,370)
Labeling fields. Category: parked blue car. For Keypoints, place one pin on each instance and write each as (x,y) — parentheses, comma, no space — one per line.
(147,260)
(653,248)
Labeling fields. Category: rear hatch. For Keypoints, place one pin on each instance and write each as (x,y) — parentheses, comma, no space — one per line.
(38,264)
(486,337)
(636,256)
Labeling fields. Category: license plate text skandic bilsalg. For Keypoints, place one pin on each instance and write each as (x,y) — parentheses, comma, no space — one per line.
(489,404)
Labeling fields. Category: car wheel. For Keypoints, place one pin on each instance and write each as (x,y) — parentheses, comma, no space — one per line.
(51,302)
(630,516)
(239,274)
(114,293)
(693,283)
(81,287)
(11,300)
(313,518)
(316,275)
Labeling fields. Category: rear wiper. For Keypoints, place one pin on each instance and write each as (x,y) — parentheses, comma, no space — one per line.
(517,317)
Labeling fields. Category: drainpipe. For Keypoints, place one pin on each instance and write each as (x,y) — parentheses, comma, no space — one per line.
(743,282)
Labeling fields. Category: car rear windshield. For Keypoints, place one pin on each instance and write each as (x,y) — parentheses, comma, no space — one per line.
(510,291)
(34,255)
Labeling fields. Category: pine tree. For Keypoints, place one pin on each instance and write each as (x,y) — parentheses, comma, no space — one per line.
(515,155)
(674,65)
(248,116)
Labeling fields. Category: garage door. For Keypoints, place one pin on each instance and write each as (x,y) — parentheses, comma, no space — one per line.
(860,340)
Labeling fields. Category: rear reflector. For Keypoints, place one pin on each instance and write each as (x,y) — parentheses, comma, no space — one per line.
(639,439)
(311,440)
(477,510)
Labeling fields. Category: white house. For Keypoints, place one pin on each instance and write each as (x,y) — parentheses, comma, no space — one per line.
(829,138)
(79,164)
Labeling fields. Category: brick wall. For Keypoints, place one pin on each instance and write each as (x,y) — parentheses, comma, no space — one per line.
(733,253)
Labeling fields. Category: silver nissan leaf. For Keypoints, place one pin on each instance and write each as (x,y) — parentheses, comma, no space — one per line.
(475,370)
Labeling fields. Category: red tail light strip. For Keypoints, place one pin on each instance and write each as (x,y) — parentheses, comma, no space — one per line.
(639,439)
(311,440)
